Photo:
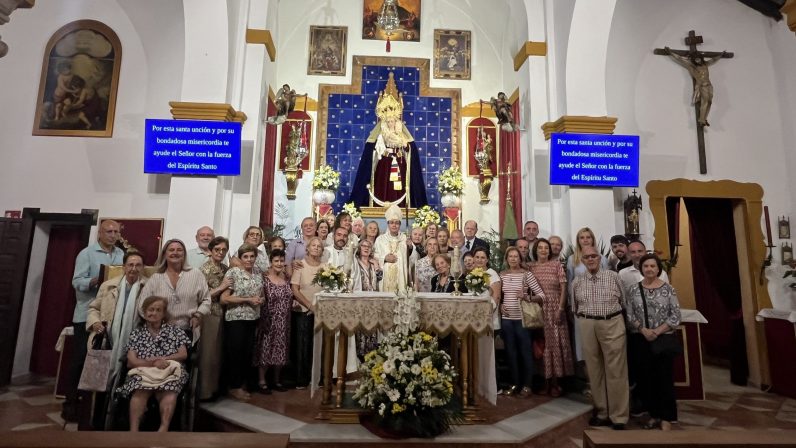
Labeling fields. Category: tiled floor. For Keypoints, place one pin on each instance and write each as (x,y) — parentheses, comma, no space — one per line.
(30,406)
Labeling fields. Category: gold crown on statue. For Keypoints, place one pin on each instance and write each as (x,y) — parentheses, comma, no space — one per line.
(391,103)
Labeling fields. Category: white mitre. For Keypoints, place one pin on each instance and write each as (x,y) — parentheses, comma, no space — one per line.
(393,213)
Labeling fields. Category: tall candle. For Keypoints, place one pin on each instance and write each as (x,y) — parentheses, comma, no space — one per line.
(768,226)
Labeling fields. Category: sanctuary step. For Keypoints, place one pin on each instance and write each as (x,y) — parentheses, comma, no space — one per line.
(689,439)
(33,439)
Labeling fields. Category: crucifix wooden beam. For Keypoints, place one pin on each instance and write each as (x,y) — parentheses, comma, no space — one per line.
(697,63)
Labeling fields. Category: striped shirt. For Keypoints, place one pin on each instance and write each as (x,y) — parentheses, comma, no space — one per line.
(599,294)
(190,296)
(515,285)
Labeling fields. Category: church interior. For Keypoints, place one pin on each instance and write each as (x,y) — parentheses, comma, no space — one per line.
(404,114)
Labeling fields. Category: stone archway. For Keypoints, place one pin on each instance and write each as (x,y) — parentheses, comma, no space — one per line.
(747,212)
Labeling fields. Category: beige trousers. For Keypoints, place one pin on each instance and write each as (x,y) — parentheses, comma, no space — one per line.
(603,343)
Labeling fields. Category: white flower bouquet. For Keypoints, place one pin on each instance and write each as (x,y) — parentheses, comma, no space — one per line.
(352,210)
(477,281)
(330,278)
(409,382)
(450,181)
(426,215)
(326,178)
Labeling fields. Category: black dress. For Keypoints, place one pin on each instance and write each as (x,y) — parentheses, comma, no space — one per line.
(448,288)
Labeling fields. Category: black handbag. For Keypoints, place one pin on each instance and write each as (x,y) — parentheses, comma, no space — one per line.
(667,344)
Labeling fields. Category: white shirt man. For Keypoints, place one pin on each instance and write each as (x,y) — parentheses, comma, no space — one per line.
(631,274)
(338,254)
(197,256)
(390,250)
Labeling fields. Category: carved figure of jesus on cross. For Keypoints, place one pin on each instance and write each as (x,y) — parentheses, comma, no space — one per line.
(697,63)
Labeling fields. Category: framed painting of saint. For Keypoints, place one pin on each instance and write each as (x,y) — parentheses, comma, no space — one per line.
(408,12)
(327,50)
(452,50)
(79,79)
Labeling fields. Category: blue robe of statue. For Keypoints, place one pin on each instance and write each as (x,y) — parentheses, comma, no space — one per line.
(378,176)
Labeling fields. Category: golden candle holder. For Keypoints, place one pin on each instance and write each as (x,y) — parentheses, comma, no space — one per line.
(483,156)
(296,152)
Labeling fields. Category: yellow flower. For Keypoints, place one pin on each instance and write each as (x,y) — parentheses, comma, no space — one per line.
(426,337)
(397,408)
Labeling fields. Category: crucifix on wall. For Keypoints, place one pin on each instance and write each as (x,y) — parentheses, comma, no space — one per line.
(697,63)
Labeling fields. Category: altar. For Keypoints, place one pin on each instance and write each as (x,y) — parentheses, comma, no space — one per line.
(466,317)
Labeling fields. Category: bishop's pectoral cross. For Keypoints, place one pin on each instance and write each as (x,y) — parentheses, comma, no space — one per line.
(697,63)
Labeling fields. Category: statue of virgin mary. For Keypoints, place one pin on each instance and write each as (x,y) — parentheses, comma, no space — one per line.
(389,170)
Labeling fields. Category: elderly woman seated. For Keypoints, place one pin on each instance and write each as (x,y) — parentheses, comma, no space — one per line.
(155,355)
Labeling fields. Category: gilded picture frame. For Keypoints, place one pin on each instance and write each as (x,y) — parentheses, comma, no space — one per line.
(327,50)
(452,54)
(409,12)
(79,81)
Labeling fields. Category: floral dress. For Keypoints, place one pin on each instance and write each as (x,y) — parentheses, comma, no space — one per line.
(273,331)
(244,284)
(423,273)
(557,350)
(146,345)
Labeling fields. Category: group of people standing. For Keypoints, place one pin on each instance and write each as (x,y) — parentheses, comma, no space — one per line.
(254,308)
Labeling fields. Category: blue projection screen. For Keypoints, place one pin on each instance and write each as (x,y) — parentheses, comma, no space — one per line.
(594,160)
(189,147)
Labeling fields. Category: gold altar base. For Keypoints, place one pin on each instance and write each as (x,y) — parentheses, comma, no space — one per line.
(378,212)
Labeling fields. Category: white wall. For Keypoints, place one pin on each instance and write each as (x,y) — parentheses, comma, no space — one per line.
(751,123)
(66,174)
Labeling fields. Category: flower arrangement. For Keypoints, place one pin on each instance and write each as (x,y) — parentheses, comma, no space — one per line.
(424,216)
(330,278)
(352,210)
(450,181)
(326,178)
(409,382)
(477,280)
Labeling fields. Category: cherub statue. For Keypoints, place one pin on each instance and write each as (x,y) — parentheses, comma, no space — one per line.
(502,109)
(285,103)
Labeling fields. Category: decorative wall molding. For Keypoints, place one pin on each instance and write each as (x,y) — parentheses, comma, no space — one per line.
(205,111)
(254,36)
(529,49)
(580,123)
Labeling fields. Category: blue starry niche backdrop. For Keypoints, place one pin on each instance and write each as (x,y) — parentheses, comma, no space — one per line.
(353,116)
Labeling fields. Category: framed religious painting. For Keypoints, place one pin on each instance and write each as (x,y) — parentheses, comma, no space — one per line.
(79,79)
(784,228)
(407,14)
(787,253)
(327,50)
(452,52)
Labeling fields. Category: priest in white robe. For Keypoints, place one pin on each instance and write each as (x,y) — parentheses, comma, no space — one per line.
(390,249)
(339,255)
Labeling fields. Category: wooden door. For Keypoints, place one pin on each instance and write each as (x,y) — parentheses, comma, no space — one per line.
(15,241)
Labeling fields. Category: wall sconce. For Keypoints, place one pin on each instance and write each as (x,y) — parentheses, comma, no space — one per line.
(296,152)
(388,19)
(632,206)
(483,155)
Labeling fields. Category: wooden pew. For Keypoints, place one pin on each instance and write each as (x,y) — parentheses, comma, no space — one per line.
(688,439)
(52,439)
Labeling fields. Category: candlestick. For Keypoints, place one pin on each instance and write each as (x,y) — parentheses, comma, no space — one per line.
(768,227)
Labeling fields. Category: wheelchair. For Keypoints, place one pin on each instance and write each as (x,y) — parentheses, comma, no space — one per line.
(117,414)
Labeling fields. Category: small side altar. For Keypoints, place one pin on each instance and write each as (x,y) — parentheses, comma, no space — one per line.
(467,318)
